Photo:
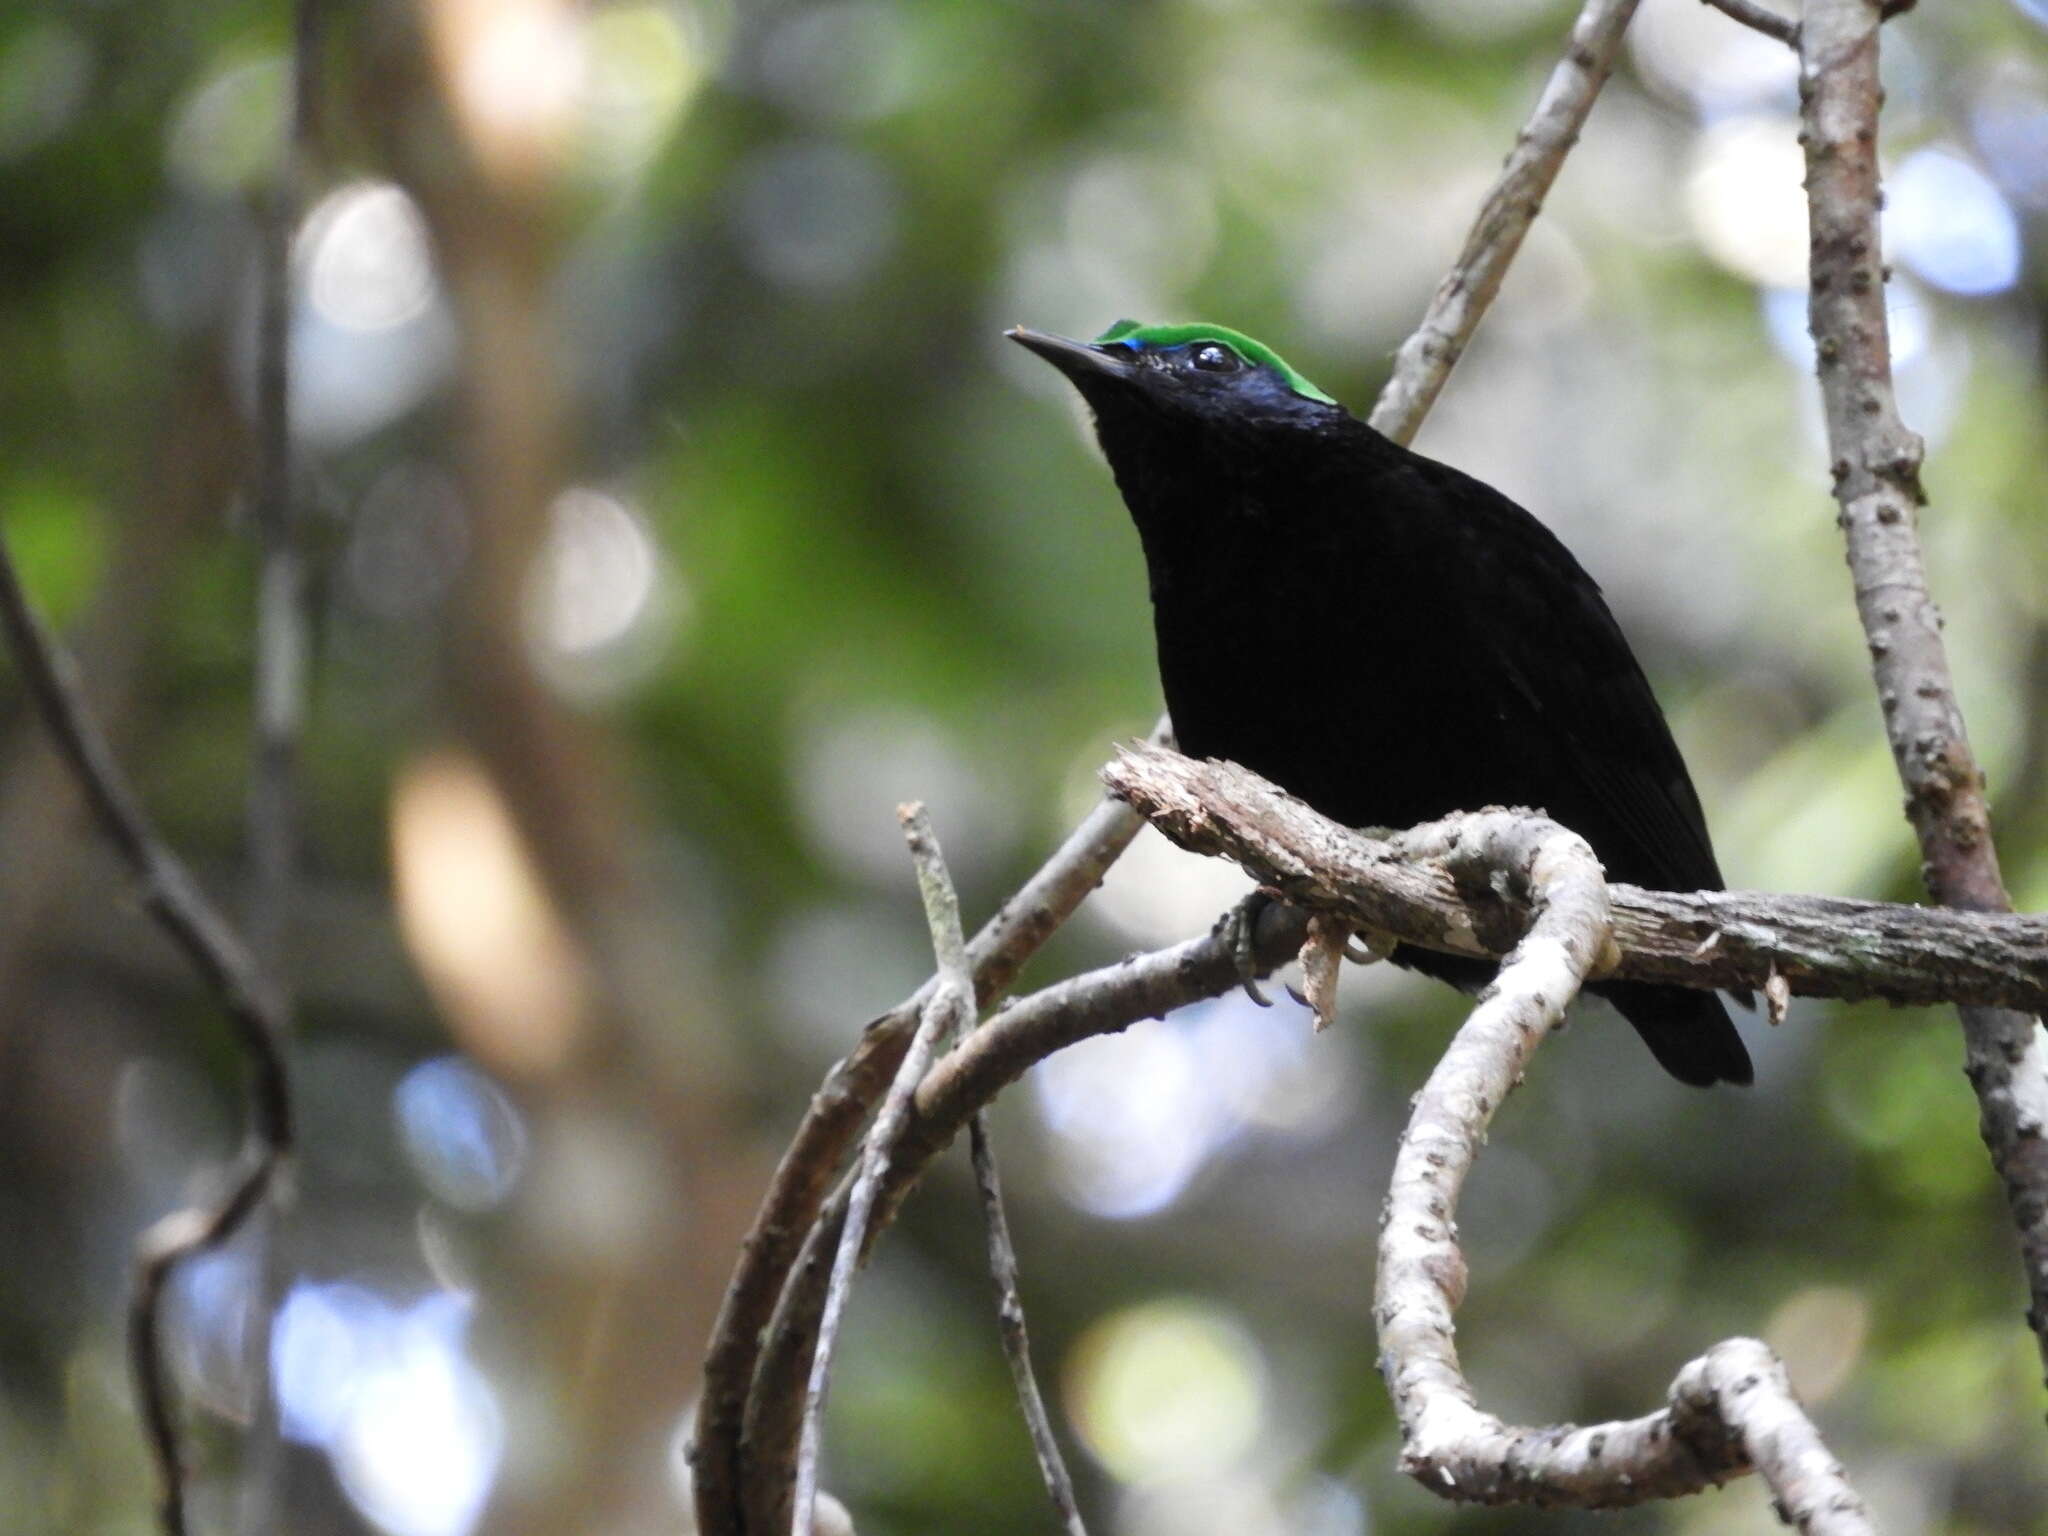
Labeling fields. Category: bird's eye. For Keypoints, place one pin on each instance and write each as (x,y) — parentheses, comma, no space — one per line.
(1212,358)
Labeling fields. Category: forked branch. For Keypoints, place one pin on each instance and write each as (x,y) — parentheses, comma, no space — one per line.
(206,939)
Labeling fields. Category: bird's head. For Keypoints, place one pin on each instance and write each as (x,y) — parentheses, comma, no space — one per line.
(1198,376)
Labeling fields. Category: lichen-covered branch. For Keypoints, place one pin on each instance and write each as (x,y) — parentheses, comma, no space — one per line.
(1876,468)
(1462,298)
(1730,1411)
(181,909)
(1816,946)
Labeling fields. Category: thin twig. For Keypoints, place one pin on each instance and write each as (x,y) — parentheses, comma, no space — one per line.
(1760,18)
(1730,1411)
(950,1010)
(1427,357)
(1816,946)
(1876,466)
(942,916)
(281,621)
(803,1179)
(1002,1266)
(174,899)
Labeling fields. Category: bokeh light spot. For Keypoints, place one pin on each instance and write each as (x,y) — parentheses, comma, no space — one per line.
(1746,201)
(1166,1389)
(464,1136)
(1946,220)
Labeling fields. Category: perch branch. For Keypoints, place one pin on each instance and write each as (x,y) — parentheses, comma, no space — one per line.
(1876,469)
(948,1010)
(1427,357)
(173,898)
(1816,946)
(1730,1411)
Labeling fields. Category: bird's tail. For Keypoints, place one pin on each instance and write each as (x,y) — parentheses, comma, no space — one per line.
(1688,1032)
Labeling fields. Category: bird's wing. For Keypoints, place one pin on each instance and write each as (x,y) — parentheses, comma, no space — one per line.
(1568,682)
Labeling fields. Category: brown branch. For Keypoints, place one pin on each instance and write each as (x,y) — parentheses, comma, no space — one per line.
(1730,1411)
(1001,1050)
(1876,467)
(1427,357)
(1817,946)
(173,898)
(802,1180)
(1760,18)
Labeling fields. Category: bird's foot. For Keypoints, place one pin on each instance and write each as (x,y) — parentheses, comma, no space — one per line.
(1368,946)
(1239,928)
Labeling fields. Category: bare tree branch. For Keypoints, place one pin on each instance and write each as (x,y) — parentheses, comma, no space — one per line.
(1760,18)
(804,1177)
(174,899)
(1001,1050)
(942,916)
(1730,1411)
(1876,467)
(949,1009)
(1427,357)
(1816,946)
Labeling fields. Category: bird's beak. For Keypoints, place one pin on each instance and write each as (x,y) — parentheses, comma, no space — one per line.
(1078,360)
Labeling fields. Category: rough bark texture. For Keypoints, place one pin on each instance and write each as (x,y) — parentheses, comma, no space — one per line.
(1816,946)
(1876,468)
(1730,1411)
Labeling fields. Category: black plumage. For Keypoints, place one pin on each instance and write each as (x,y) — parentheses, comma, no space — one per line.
(1385,636)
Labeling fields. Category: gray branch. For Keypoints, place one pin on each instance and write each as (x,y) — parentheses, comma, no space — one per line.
(1816,946)
(1467,291)
(791,1207)
(1730,1411)
(1876,467)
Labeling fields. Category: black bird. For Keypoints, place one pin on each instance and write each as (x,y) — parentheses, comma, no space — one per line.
(1385,636)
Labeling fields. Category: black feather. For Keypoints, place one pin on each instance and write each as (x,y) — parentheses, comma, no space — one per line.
(1393,640)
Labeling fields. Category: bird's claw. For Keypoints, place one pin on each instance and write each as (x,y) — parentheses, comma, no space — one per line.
(1240,928)
(1368,947)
